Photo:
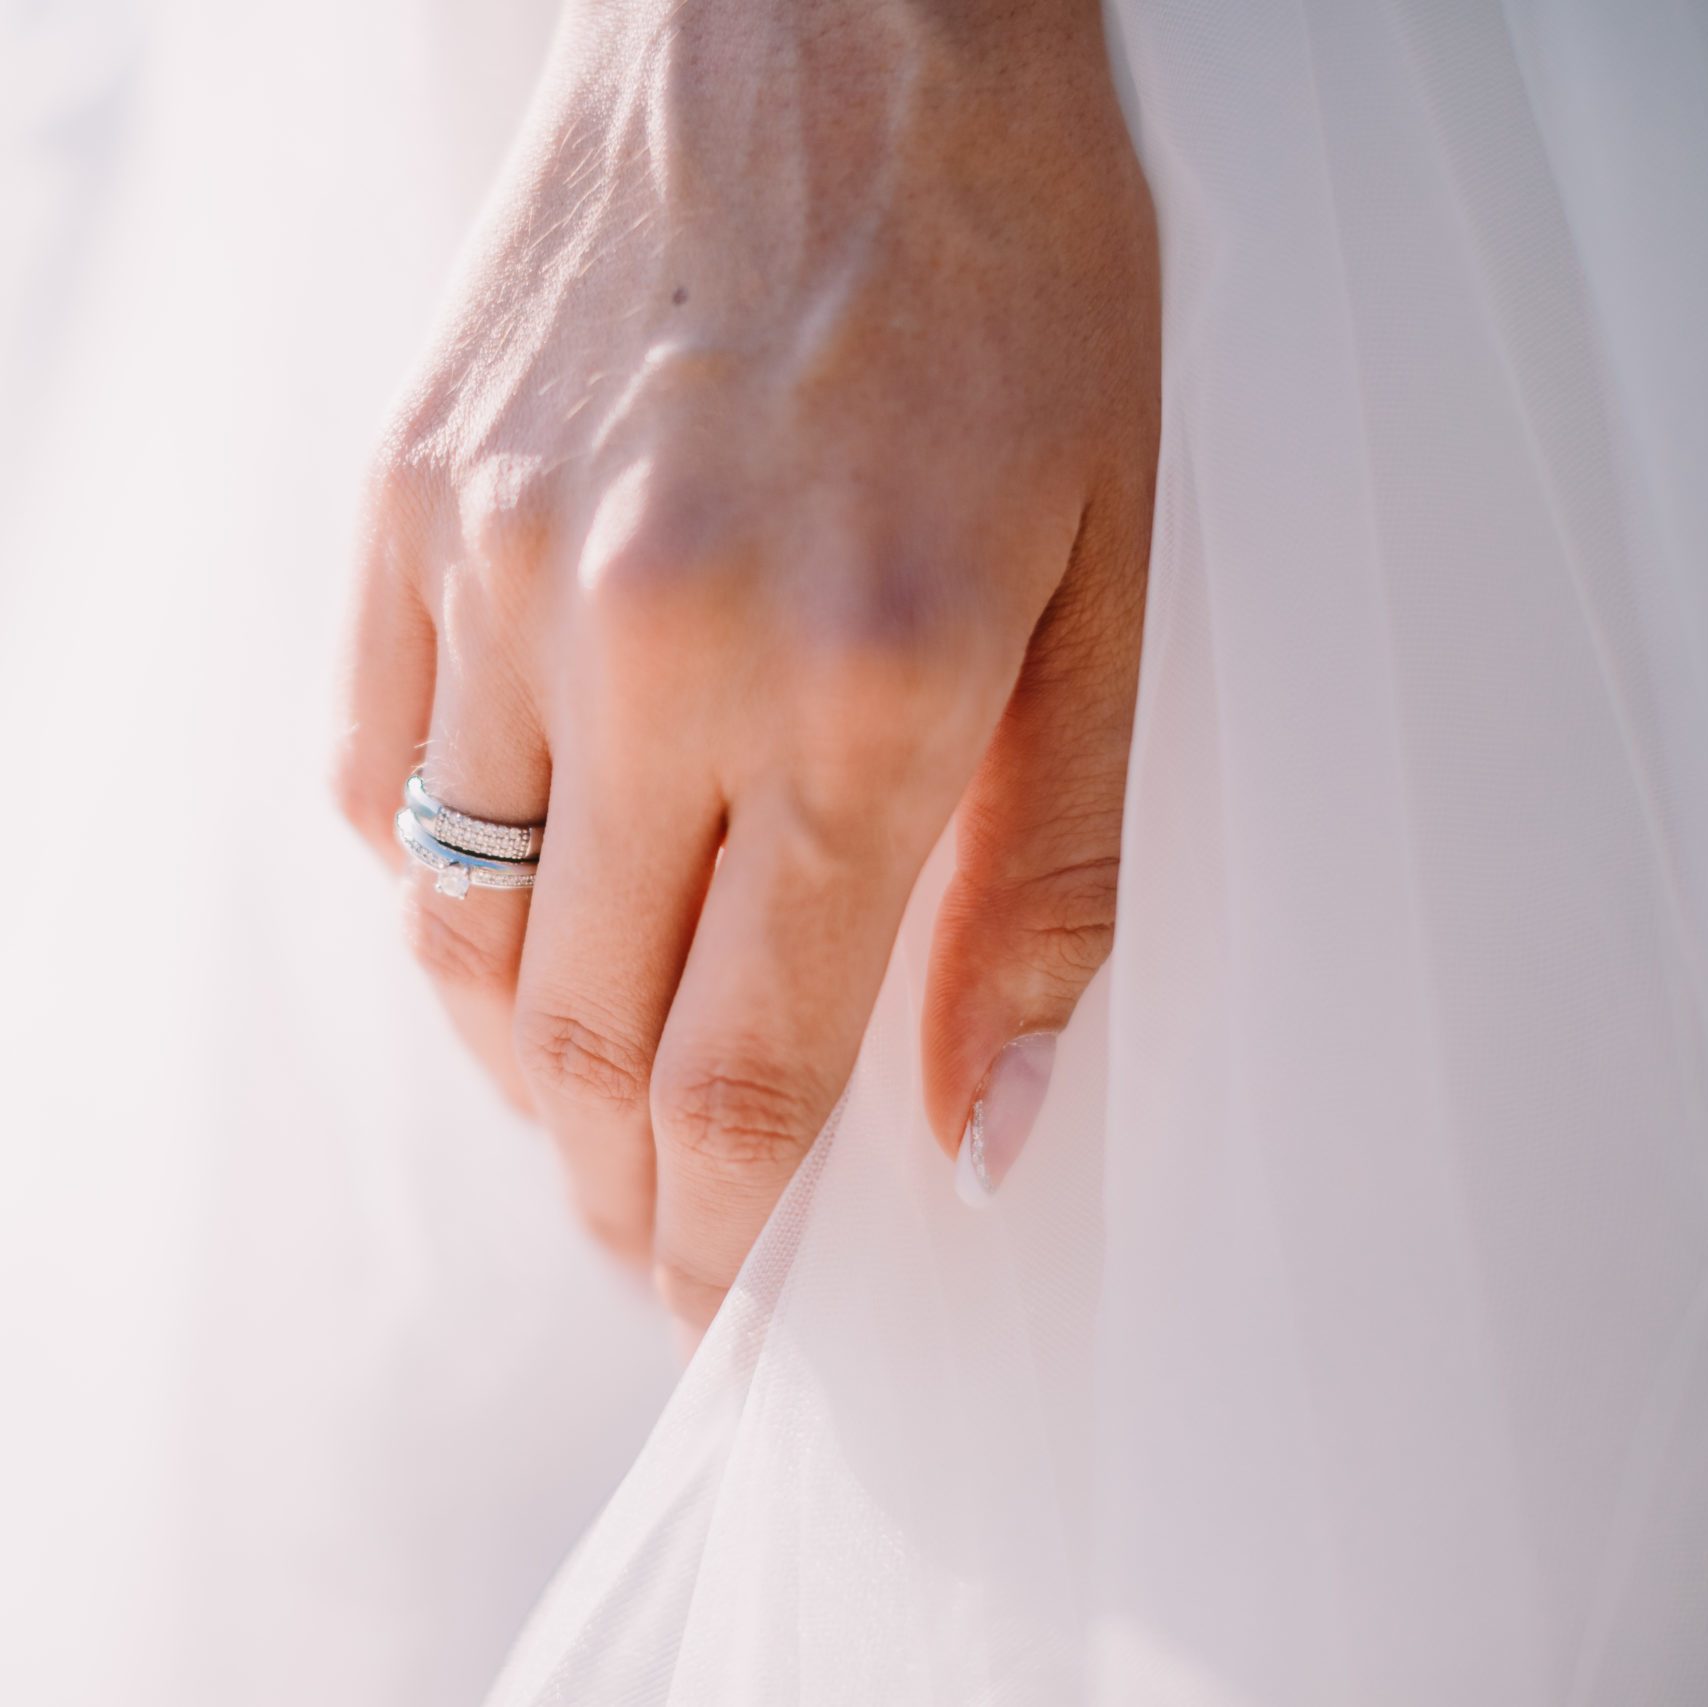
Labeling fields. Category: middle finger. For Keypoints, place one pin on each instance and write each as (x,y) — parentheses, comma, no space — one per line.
(629,851)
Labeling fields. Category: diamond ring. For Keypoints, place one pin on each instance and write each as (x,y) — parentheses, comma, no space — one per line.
(470,835)
(456,871)
(464,852)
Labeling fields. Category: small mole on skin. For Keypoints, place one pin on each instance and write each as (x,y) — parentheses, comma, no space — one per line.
(680,295)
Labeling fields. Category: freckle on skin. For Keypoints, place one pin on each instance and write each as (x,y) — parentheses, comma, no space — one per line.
(680,295)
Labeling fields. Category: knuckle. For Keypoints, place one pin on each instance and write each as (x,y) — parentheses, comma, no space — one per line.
(1065,919)
(893,609)
(1056,920)
(406,483)
(898,586)
(658,540)
(508,515)
(567,1057)
(731,1116)
(401,521)
(451,951)
(1070,954)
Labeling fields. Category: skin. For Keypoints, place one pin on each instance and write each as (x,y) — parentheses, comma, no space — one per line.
(779,488)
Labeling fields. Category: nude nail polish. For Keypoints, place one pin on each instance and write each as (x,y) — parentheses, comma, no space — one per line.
(1005,1108)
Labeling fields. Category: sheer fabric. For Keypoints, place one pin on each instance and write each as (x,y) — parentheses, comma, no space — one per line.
(306,1382)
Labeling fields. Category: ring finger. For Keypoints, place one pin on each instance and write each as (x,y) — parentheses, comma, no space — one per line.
(487,758)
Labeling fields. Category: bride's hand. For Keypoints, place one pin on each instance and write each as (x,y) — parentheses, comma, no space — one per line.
(781,482)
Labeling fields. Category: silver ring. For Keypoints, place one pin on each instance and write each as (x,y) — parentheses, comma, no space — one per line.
(479,836)
(456,870)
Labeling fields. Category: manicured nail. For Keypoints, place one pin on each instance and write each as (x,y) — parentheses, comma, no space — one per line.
(1004,1109)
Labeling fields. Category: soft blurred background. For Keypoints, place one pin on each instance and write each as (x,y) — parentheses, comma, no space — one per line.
(306,1380)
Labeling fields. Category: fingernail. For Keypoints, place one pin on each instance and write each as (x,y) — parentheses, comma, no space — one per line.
(1004,1110)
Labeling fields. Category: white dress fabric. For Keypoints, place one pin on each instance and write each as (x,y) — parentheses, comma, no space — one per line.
(1341,1337)
(306,1381)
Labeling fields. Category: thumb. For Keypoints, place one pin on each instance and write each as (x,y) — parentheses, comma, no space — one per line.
(1030,913)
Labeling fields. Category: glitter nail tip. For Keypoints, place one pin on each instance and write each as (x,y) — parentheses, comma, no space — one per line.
(972,1180)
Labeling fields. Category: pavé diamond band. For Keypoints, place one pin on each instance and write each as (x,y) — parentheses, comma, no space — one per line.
(479,836)
(465,852)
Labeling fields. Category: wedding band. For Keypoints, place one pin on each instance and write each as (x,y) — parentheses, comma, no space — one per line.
(480,836)
(456,870)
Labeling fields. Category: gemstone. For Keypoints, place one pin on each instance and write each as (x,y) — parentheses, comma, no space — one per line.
(453,881)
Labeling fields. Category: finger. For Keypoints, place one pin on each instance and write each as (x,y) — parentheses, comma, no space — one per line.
(627,857)
(785,967)
(485,757)
(388,690)
(1030,913)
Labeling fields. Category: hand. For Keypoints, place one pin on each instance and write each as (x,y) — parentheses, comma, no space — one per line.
(781,482)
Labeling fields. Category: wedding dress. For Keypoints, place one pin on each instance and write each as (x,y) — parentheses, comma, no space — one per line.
(1341,1337)
(306,1382)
